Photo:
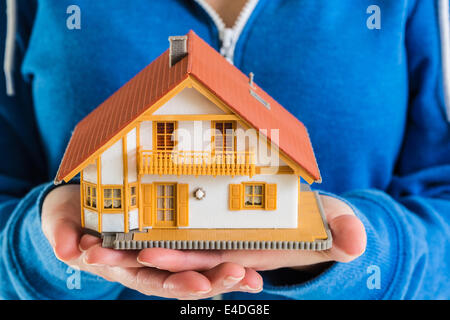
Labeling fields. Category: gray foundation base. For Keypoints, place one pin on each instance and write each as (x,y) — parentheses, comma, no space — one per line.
(110,242)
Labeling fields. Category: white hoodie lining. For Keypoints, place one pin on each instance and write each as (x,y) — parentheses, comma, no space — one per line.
(229,36)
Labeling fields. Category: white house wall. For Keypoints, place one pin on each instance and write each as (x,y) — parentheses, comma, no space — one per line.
(133,219)
(90,173)
(247,140)
(194,136)
(212,211)
(90,219)
(112,222)
(112,164)
(146,135)
(188,101)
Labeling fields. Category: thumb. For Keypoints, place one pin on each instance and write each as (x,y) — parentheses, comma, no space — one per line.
(349,235)
(61,221)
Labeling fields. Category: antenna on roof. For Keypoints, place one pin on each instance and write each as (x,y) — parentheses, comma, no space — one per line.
(250,77)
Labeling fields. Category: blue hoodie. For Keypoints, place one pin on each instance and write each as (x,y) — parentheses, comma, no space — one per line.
(370,92)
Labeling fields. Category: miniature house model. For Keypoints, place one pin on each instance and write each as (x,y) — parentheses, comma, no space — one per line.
(192,154)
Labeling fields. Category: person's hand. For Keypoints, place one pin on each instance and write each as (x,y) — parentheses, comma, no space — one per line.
(62,227)
(349,242)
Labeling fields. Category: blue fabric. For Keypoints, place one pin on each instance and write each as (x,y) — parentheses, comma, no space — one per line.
(372,101)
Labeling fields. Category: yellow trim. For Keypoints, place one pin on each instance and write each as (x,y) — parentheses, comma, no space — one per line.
(263,195)
(269,170)
(82,199)
(125,183)
(191,117)
(208,94)
(99,194)
(139,182)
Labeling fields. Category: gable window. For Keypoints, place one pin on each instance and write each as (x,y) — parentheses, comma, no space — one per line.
(254,195)
(112,198)
(223,136)
(90,196)
(164,136)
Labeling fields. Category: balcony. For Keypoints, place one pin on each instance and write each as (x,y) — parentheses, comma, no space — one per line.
(196,163)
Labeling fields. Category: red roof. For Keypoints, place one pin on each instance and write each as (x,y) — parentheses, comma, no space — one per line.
(223,79)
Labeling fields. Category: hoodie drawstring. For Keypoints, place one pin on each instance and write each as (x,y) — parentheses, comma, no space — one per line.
(10,45)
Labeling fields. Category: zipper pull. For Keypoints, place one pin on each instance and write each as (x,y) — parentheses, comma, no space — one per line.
(227,38)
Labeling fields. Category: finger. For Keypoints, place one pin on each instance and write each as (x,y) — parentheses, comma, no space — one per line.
(228,277)
(252,282)
(349,235)
(187,284)
(151,281)
(178,260)
(97,255)
(349,238)
(261,260)
(225,276)
(87,241)
(61,221)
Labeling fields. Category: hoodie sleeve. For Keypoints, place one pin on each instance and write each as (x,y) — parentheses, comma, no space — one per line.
(28,266)
(408,251)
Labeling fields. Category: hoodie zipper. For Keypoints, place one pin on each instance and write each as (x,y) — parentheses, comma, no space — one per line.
(229,36)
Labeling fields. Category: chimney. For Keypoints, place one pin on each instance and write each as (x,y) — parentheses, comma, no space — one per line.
(178,49)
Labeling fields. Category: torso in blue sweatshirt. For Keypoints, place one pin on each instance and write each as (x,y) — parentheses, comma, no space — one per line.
(372,100)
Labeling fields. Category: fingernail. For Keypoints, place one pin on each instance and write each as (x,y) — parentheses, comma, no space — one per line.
(248,288)
(231,281)
(146,264)
(91,263)
(201,293)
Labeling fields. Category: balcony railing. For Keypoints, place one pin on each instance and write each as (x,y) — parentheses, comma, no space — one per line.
(196,163)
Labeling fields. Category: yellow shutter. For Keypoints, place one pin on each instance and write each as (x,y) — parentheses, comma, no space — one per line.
(183,204)
(235,200)
(147,204)
(271,196)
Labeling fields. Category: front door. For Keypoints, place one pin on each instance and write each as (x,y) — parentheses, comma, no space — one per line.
(166,200)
